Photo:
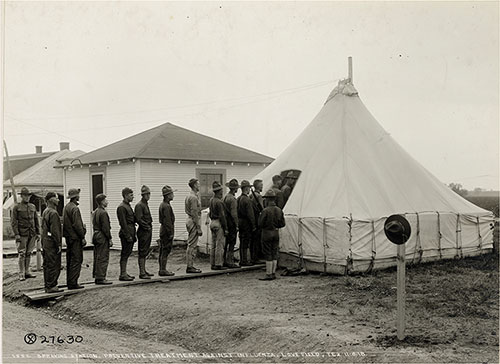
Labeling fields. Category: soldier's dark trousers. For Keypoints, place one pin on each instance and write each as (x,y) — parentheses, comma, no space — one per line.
(165,249)
(229,246)
(101,260)
(51,262)
(144,242)
(126,251)
(74,260)
(256,246)
(245,239)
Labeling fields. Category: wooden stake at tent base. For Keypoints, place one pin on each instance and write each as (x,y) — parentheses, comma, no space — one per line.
(401,295)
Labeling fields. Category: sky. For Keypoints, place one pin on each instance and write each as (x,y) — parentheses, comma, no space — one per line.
(255,74)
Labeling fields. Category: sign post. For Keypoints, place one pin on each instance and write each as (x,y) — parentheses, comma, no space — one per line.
(398,231)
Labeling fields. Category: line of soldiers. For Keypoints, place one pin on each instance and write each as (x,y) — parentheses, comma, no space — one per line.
(256,222)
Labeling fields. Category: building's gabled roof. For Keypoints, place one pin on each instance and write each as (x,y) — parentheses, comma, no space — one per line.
(171,142)
(19,163)
(43,173)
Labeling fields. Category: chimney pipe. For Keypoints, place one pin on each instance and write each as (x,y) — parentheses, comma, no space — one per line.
(38,149)
(64,146)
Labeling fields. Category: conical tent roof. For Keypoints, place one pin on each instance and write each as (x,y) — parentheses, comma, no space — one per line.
(350,166)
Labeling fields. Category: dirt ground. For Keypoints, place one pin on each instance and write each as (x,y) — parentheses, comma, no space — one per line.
(452,316)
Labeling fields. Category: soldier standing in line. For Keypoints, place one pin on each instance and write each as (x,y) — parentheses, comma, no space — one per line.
(74,232)
(144,231)
(218,227)
(192,206)
(26,228)
(51,243)
(126,218)
(167,220)
(231,210)
(276,187)
(287,188)
(258,206)
(246,220)
(101,240)
(270,221)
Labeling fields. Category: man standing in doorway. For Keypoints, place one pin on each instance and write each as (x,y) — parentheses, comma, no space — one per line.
(26,228)
(101,240)
(287,188)
(246,220)
(231,210)
(144,231)
(74,231)
(258,206)
(218,227)
(279,199)
(51,243)
(192,206)
(167,220)
(126,218)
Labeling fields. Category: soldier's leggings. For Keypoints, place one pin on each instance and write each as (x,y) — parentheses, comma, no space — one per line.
(74,260)
(165,249)
(229,246)
(144,242)
(24,248)
(101,260)
(192,242)
(256,246)
(51,262)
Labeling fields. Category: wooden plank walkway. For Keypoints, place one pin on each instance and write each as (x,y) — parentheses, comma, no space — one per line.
(39,294)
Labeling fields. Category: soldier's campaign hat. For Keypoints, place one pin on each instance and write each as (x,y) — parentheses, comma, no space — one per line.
(216,186)
(192,181)
(145,189)
(166,190)
(270,194)
(126,191)
(233,183)
(245,183)
(397,229)
(73,192)
(49,195)
(100,197)
(25,191)
(290,175)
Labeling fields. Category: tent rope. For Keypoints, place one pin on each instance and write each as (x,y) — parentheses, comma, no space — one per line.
(459,247)
(439,235)
(479,233)
(349,262)
(374,249)
(324,245)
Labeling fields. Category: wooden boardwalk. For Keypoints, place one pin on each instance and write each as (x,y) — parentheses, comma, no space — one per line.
(39,294)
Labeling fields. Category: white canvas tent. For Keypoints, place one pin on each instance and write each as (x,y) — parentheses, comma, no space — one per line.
(353,176)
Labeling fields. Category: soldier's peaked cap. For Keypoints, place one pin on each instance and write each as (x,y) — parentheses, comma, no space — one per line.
(233,183)
(73,192)
(166,190)
(216,186)
(145,189)
(25,191)
(245,183)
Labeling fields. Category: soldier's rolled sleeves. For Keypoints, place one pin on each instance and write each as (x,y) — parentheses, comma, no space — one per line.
(26,228)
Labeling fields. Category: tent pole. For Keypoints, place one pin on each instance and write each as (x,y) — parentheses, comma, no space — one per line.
(350,69)
(10,172)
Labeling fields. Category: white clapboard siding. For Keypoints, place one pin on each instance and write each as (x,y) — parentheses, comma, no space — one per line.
(155,175)
(117,177)
(80,178)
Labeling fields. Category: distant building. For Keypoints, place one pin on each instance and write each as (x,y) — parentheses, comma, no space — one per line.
(167,154)
(37,173)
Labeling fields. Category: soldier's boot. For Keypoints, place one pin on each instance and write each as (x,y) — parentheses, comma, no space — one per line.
(163,269)
(123,272)
(149,274)
(22,267)
(27,270)
(230,259)
(244,257)
(142,270)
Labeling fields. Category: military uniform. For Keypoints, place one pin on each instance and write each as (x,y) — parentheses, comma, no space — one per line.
(167,220)
(74,232)
(192,206)
(26,227)
(270,221)
(280,199)
(101,239)
(126,219)
(52,245)
(287,191)
(218,227)
(144,231)
(256,245)
(231,211)
(246,225)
